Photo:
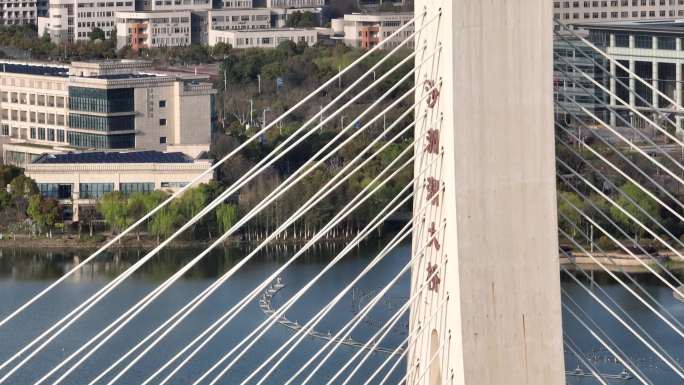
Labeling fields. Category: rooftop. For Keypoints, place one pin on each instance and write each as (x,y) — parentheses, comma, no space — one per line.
(114,157)
(34,69)
(675,27)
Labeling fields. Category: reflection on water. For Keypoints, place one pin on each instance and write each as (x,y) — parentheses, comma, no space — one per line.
(25,272)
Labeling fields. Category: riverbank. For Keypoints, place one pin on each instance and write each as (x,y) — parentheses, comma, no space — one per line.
(621,262)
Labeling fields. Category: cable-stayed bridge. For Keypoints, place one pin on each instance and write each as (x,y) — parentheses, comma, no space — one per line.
(475,102)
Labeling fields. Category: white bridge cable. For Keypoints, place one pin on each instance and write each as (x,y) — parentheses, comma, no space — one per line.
(617,79)
(622,283)
(625,212)
(652,344)
(280,190)
(614,350)
(612,238)
(622,172)
(378,340)
(622,271)
(338,336)
(242,146)
(94,299)
(260,288)
(575,350)
(410,341)
(626,104)
(622,119)
(618,64)
(629,198)
(273,318)
(665,358)
(439,351)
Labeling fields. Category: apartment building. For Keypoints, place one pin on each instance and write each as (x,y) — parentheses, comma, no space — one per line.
(153,29)
(366,30)
(176,5)
(14,12)
(262,38)
(654,51)
(72,20)
(101,105)
(614,10)
(80,180)
(294,3)
(233,19)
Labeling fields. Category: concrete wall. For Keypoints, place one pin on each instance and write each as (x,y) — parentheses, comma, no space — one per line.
(496,219)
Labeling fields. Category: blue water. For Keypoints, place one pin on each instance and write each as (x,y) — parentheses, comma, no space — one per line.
(23,273)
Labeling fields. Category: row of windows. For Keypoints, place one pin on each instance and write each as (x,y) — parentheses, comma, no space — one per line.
(618,15)
(99,100)
(130,188)
(79,139)
(32,116)
(56,190)
(615,3)
(645,41)
(32,99)
(102,123)
(30,83)
(97,190)
(49,134)
(94,190)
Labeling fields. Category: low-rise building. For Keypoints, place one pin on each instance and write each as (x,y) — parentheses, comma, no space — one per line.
(369,29)
(175,5)
(235,4)
(153,29)
(78,180)
(263,38)
(232,19)
(102,105)
(14,12)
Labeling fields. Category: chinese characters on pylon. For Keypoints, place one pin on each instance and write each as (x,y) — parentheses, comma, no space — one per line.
(433,277)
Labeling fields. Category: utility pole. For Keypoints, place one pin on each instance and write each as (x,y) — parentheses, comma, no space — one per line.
(251,111)
(259,81)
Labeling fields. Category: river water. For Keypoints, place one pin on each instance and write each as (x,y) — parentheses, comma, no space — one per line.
(24,272)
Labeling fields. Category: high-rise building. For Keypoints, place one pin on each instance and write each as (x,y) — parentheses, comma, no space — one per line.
(613,10)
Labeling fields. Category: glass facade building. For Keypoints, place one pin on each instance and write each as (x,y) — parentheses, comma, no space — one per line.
(102,123)
(101,100)
(80,139)
(94,190)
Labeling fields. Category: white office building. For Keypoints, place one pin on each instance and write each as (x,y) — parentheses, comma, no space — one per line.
(294,3)
(616,10)
(263,38)
(75,19)
(153,29)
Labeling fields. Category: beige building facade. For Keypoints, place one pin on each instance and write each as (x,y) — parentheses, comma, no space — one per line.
(263,38)
(13,12)
(102,106)
(153,29)
(614,10)
(78,180)
(73,20)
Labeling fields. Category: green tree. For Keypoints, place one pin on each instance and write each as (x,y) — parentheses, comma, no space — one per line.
(23,186)
(226,214)
(7,174)
(565,207)
(649,206)
(221,49)
(113,207)
(43,212)
(136,208)
(97,34)
(163,222)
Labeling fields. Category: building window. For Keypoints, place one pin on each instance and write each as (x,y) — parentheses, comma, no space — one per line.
(94,190)
(667,43)
(622,41)
(642,41)
(98,100)
(130,188)
(162,103)
(162,122)
(55,190)
(173,184)
(162,140)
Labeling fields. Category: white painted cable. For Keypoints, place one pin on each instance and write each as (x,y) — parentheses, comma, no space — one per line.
(440,350)
(260,288)
(612,351)
(216,165)
(583,361)
(628,327)
(637,131)
(622,209)
(629,289)
(119,279)
(220,240)
(636,283)
(618,64)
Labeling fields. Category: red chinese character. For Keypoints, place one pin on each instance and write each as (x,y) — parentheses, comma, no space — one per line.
(433,191)
(432,146)
(433,95)
(433,278)
(433,237)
